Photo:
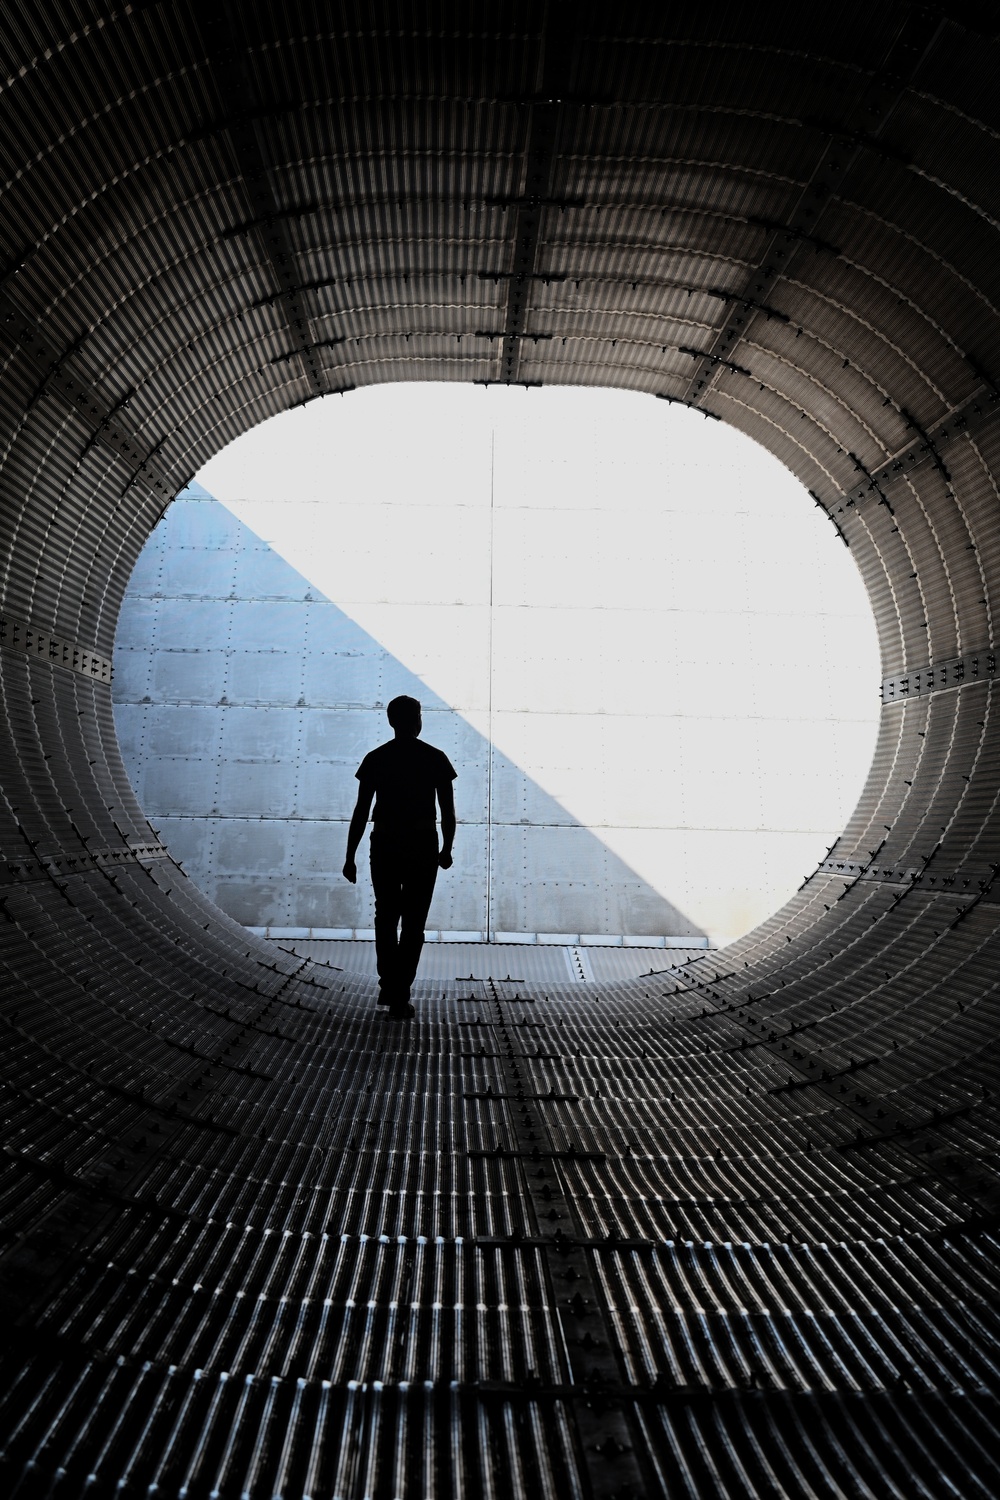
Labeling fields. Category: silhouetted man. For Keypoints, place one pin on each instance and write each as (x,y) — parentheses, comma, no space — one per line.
(403,776)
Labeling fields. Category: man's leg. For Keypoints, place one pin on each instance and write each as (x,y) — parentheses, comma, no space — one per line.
(418,877)
(387,886)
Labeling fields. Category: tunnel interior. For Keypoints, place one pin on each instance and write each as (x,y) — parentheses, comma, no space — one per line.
(726,1230)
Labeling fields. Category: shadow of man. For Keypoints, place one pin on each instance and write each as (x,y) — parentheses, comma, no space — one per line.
(403,777)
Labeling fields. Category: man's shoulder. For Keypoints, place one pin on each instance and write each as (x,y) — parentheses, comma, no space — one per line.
(425,748)
(396,755)
(438,759)
(377,757)
(428,757)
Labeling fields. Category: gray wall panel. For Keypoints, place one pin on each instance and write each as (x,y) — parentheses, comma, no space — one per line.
(246,703)
(146,573)
(271,625)
(139,612)
(177,785)
(192,624)
(133,674)
(320,904)
(258,572)
(241,898)
(182,729)
(269,733)
(317,848)
(265,677)
(340,680)
(130,722)
(342,735)
(328,790)
(257,788)
(253,848)
(185,676)
(194,572)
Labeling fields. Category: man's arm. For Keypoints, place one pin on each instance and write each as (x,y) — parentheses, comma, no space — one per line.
(446,797)
(359,818)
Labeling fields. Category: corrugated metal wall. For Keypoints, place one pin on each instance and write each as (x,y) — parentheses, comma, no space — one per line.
(731,1234)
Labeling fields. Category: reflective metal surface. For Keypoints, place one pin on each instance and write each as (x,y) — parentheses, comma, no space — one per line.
(257,1240)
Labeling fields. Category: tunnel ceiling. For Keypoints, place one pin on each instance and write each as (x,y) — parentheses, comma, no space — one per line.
(214,213)
(783,216)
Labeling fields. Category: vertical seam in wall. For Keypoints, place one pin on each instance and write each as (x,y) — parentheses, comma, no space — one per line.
(489,714)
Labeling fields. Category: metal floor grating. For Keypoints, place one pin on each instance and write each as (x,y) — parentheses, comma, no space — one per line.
(555,1238)
(529,962)
(729,1231)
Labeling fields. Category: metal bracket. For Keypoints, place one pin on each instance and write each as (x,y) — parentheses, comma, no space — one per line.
(535,1153)
(57,866)
(550,1098)
(267,221)
(974,414)
(542,137)
(957,671)
(915,36)
(57,651)
(608,1445)
(59,373)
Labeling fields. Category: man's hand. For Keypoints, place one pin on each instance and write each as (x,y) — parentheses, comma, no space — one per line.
(359,817)
(444,859)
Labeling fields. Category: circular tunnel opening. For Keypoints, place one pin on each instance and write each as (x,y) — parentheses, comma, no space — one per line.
(644,648)
(747,1213)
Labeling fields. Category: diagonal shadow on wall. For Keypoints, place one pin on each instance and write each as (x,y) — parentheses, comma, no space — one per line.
(244,701)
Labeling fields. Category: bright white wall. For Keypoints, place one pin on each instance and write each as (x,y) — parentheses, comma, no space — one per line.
(639,607)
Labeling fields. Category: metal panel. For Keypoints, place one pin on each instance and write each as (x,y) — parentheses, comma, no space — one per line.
(239,728)
(259,1240)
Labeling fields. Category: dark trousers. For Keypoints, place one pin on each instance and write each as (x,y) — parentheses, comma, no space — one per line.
(404,869)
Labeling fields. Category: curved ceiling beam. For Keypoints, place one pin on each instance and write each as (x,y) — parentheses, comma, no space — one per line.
(215,213)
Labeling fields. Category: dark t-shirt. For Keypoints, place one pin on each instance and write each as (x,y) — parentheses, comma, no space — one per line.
(406,774)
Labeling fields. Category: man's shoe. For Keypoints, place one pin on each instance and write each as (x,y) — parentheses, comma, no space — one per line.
(401,1012)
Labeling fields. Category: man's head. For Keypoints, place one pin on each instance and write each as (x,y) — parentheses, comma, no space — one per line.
(403,714)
